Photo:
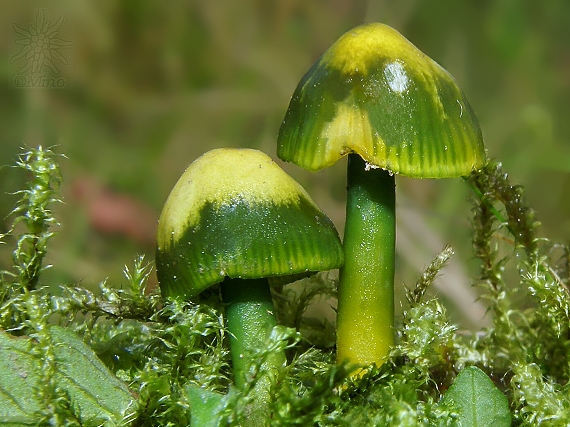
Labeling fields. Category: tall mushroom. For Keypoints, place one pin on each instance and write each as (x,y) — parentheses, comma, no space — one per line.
(236,218)
(378,99)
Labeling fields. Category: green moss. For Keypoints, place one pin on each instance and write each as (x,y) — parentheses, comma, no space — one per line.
(159,348)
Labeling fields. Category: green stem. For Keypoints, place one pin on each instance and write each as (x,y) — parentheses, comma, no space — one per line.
(365,322)
(250,319)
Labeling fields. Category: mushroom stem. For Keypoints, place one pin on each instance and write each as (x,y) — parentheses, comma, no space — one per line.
(365,322)
(250,319)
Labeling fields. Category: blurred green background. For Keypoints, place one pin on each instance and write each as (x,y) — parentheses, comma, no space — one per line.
(148,86)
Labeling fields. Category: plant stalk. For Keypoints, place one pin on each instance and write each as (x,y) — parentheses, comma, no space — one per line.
(250,319)
(365,322)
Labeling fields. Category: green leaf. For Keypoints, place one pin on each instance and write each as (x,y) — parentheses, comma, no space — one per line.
(477,401)
(93,394)
(205,406)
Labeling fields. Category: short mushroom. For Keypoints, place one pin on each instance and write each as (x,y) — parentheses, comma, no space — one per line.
(236,218)
(378,99)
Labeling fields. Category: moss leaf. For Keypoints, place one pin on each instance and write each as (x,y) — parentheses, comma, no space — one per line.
(476,400)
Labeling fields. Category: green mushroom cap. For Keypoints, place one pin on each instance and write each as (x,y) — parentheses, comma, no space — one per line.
(375,94)
(235,213)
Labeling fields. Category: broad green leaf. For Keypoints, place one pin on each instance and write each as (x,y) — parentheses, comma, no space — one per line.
(205,406)
(95,395)
(477,401)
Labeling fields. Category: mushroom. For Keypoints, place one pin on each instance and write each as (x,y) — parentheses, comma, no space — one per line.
(378,99)
(236,218)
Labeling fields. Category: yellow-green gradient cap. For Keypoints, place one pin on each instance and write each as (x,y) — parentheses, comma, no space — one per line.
(375,94)
(236,213)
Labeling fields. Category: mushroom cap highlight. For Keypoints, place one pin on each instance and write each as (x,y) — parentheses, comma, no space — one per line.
(235,213)
(375,94)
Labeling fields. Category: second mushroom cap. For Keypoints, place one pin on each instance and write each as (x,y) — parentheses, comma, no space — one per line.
(235,213)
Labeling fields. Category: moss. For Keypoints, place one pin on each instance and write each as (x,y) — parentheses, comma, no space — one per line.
(160,347)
